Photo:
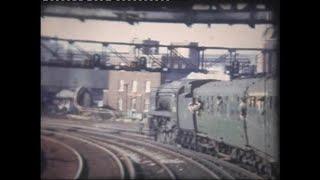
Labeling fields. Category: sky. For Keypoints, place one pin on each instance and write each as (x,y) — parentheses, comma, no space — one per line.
(166,33)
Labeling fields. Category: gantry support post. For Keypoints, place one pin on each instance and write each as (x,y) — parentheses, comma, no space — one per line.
(202,59)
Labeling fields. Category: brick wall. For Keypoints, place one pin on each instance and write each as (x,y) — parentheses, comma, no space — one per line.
(112,95)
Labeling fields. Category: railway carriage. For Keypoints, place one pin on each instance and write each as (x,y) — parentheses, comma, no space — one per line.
(217,127)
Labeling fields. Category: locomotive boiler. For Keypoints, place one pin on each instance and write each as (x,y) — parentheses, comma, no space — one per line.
(237,119)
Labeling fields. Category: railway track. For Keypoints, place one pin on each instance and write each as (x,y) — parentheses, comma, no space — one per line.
(144,165)
(236,170)
(59,160)
(180,166)
(149,163)
(98,162)
(145,154)
(213,163)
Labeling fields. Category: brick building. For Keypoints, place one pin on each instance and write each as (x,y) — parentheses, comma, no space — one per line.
(129,91)
(125,91)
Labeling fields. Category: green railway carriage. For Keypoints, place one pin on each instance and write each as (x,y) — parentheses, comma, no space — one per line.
(225,123)
(238,119)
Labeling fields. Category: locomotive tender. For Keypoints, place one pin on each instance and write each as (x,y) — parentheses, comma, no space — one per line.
(235,119)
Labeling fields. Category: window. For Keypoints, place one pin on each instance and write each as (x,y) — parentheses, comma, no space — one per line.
(219,104)
(134,104)
(183,65)
(211,103)
(134,86)
(253,102)
(121,85)
(146,105)
(176,65)
(260,104)
(120,102)
(207,104)
(148,86)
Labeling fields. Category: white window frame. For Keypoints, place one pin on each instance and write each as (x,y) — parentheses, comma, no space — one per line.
(148,87)
(134,104)
(120,104)
(121,85)
(134,86)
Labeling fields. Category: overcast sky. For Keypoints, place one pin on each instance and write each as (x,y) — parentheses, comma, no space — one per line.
(216,35)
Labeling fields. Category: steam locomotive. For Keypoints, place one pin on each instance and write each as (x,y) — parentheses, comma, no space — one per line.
(237,119)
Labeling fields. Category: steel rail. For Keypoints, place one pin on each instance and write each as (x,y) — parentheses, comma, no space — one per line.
(79,157)
(114,157)
(243,171)
(190,160)
(102,142)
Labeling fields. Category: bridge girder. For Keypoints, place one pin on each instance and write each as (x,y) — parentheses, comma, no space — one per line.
(210,13)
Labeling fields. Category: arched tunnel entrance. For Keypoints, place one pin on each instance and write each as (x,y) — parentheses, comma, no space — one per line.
(83,97)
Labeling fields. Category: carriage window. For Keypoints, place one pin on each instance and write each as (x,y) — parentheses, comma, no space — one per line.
(270,101)
(250,101)
(257,103)
(219,104)
(260,103)
(226,107)
(212,103)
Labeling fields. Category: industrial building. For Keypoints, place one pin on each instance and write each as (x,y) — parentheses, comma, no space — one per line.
(129,91)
